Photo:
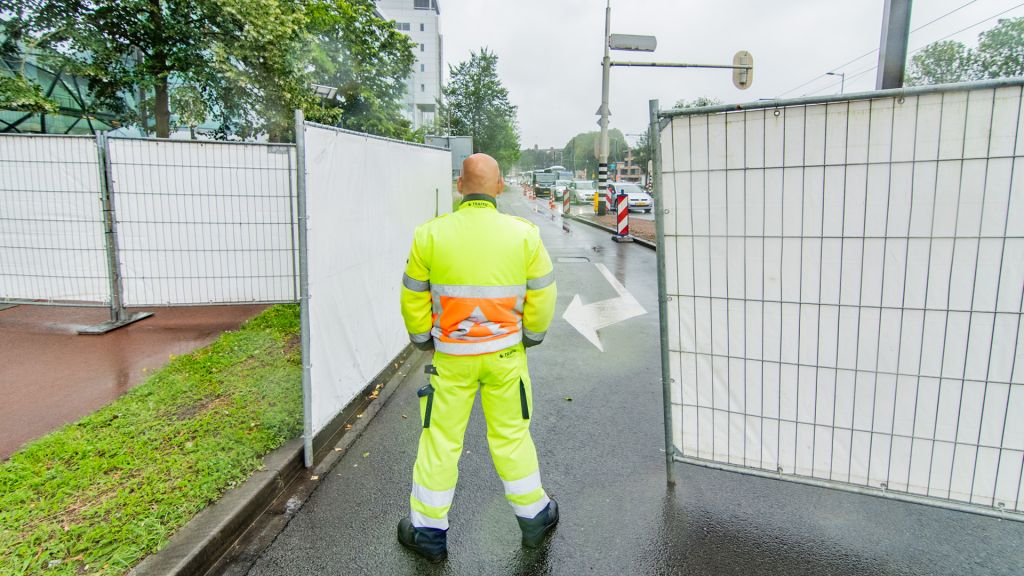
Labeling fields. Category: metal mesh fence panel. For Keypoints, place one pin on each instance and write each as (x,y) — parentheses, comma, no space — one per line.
(204,222)
(51,221)
(845,282)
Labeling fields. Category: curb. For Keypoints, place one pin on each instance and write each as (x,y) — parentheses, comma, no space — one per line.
(202,541)
(588,222)
(208,538)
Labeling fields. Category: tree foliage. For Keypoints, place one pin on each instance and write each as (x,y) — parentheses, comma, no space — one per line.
(580,152)
(367,59)
(190,107)
(476,104)
(698,102)
(999,54)
(642,152)
(245,63)
(22,95)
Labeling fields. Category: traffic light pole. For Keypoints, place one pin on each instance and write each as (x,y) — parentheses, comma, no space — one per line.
(602,154)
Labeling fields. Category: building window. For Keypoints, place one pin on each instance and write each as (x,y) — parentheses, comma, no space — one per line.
(423,87)
(403,26)
(423,48)
(422,4)
(423,67)
(422,29)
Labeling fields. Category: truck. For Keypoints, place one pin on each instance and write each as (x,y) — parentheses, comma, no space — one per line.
(543,183)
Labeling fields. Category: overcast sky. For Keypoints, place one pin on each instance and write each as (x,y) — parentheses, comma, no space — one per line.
(550,50)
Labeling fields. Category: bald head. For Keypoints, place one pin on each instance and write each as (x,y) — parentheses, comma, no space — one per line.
(480,175)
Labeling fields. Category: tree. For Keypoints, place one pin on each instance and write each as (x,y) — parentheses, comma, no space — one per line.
(190,107)
(117,46)
(698,102)
(642,152)
(999,54)
(19,94)
(246,63)
(941,63)
(367,59)
(580,150)
(258,77)
(477,105)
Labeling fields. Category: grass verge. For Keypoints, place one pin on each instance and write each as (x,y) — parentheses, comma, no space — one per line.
(98,495)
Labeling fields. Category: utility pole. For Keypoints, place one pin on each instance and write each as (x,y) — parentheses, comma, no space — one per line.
(892,52)
(606,66)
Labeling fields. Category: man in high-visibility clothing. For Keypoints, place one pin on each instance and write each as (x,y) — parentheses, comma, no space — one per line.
(478,289)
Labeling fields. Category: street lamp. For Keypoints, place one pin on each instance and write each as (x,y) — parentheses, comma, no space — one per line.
(842,79)
(325,92)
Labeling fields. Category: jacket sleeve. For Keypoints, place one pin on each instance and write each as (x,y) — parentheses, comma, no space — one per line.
(416,302)
(541,292)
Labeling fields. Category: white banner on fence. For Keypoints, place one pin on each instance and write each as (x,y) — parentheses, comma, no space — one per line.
(51,220)
(204,222)
(365,196)
(846,283)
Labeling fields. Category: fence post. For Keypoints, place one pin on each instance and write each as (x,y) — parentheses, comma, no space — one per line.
(654,141)
(118,315)
(307,383)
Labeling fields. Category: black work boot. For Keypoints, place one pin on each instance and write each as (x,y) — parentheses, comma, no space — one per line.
(431,543)
(536,528)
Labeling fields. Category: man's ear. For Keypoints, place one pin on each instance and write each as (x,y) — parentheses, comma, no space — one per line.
(458,184)
(501,186)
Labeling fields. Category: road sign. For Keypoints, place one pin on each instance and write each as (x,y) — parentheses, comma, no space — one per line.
(743,77)
(632,42)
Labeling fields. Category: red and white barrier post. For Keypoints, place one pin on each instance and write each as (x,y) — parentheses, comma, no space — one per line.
(622,219)
(610,197)
(565,202)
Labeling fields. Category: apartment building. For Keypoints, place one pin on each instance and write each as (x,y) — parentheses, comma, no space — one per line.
(420,20)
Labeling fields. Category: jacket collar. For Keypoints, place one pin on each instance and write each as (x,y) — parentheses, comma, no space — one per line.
(478,201)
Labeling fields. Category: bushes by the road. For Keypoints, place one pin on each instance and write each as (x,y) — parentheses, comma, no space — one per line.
(98,495)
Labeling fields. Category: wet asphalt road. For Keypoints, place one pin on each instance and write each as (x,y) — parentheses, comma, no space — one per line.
(602,458)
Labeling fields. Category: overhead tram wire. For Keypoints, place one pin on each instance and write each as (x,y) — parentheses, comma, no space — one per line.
(870,52)
(916,50)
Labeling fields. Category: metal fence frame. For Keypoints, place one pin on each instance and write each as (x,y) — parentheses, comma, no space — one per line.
(100,212)
(107,212)
(659,120)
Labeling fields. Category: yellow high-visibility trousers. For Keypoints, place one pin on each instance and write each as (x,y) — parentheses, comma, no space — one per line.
(445,405)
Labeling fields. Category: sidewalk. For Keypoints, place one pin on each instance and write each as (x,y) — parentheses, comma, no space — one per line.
(598,427)
(50,375)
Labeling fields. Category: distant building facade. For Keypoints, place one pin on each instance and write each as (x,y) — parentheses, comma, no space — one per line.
(420,20)
(626,170)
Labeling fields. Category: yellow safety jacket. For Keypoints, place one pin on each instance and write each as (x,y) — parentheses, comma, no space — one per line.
(477,281)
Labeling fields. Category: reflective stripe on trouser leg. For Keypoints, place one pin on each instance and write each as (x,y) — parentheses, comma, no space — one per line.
(508,432)
(437,460)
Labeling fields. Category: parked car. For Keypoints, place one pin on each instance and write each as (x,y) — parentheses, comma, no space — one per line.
(582,191)
(639,199)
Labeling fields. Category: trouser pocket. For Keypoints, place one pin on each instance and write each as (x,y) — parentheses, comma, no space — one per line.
(523,402)
(427,392)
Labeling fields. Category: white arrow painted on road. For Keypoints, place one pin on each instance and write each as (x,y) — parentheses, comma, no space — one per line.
(589,318)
